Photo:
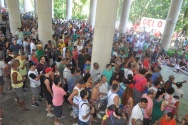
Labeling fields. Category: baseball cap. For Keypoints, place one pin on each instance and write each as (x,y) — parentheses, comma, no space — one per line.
(47,70)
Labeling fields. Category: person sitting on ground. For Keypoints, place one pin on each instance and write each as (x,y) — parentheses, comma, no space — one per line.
(171,62)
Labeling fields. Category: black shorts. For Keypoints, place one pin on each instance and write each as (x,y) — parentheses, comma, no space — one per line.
(58,111)
(48,98)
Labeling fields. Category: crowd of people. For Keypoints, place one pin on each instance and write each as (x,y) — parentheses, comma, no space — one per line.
(129,91)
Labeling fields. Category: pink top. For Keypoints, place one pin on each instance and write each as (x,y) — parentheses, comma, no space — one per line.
(109,112)
(149,106)
(171,100)
(58,94)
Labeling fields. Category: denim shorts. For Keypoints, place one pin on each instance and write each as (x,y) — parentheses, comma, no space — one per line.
(83,123)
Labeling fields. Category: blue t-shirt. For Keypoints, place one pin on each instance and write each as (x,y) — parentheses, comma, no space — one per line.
(121,90)
(154,76)
(71,83)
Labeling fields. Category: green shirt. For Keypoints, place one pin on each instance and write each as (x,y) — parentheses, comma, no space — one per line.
(39,53)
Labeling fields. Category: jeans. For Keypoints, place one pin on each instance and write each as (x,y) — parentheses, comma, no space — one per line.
(83,123)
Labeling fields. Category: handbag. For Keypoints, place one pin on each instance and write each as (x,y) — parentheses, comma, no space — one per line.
(98,105)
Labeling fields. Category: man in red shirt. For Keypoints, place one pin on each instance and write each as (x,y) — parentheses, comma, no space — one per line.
(146,63)
(140,85)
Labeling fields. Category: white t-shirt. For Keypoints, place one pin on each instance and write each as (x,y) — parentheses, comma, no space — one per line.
(66,73)
(178,92)
(137,113)
(104,89)
(127,72)
(34,83)
(115,53)
(32,47)
(177,66)
(84,109)
(64,49)
(79,48)
(1,67)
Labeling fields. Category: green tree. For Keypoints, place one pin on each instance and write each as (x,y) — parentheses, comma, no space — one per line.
(60,8)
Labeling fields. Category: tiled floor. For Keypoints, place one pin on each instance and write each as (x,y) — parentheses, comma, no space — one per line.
(37,116)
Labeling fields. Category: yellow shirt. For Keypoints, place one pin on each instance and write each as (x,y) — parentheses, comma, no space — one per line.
(19,78)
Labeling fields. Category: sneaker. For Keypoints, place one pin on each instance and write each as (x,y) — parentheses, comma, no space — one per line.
(25,110)
(102,112)
(50,109)
(38,101)
(25,87)
(99,116)
(42,97)
(7,89)
(50,115)
(71,114)
(35,104)
(24,91)
(62,117)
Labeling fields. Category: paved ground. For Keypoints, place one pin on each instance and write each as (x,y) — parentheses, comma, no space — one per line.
(37,116)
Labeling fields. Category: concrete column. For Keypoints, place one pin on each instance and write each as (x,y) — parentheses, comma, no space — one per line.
(0,12)
(171,21)
(14,15)
(52,8)
(2,3)
(68,9)
(44,20)
(125,16)
(27,6)
(104,32)
(35,8)
(92,12)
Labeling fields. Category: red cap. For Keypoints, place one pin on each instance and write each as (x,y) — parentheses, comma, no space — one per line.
(47,70)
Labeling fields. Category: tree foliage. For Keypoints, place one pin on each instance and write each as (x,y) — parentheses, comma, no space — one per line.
(79,9)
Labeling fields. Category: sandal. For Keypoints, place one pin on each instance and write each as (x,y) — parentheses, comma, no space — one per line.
(58,123)
(62,117)
(25,110)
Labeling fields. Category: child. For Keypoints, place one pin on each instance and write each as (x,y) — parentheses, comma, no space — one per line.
(108,111)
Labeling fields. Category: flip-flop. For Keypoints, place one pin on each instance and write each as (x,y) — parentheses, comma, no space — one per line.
(58,123)
(62,117)
(25,110)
